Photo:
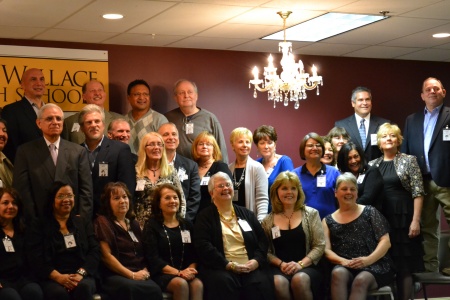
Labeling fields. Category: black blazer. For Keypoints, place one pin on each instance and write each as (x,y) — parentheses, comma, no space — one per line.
(439,153)
(22,127)
(349,124)
(35,172)
(120,168)
(371,190)
(191,184)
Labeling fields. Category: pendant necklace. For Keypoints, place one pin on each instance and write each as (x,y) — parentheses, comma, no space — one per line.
(170,248)
(289,219)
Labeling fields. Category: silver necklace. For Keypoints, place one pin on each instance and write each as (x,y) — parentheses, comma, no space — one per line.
(170,248)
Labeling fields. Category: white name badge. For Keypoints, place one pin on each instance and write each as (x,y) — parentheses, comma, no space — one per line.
(182,174)
(133,237)
(186,236)
(69,239)
(321,181)
(276,232)
(8,245)
(446,135)
(244,225)
(140,184)
(103,169)
(236,196)
(373,139)
(360,178)
(75,127)
(205,180)
(189,128)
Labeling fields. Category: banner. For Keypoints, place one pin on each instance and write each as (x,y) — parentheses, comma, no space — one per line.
(65,72)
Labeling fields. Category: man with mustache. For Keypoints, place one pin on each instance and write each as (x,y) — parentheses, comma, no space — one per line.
(6,167)
(109,160)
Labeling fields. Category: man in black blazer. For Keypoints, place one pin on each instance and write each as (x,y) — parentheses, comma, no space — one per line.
(110,161)
(21,115)
(186,168)
(362,103)
(427,136)
(43,161)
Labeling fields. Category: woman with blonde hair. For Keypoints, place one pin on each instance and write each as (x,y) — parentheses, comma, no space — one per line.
(296,240)
(249,178)
(206,152)
(152,170)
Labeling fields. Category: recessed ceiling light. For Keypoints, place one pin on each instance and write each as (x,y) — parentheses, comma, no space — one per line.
(112,16)
(325,26)
(441,35)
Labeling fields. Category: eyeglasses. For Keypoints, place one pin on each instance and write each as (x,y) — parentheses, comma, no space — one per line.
(154,145)
(201,144)
(224,185)
(145,95)
(63,196)
(313,145)
(50,119)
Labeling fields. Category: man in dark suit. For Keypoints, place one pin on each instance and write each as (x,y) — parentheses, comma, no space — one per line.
(362,103)
(21,115)
(43,161)
(186,168)
(427,136)
(110,161)
(93,93)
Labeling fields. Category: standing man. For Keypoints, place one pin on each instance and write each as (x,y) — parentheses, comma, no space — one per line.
(119,130)
(21,115)
(141,117)
(186,168)
(6,167)
(363,126)
(427,136)
(191,120)
(93,93)
(41,162)
(110,161)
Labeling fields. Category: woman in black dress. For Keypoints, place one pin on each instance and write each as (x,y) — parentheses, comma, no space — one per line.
(169,248)
(402,207)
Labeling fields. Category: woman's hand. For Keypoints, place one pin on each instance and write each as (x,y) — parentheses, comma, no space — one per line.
(68,281)
(188,274)
(290,268)
(251,265)
(414,229)
(358,263)
(141,275)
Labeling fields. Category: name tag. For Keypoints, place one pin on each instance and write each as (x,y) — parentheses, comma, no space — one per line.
(446,135)
(182,174)
(244,225)
(140,184)
(189,128)
(236,196)
(321,181)
(373,139)
(69,239)
(360,178)
(133,237)
(103,169)
(75,127)
(205,180)
(186,236)
(276,232)
(8,245)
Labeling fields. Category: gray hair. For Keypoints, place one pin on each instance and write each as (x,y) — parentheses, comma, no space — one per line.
(218,175)
(346,177)
(180,81)
(360,89)
(47,106)
(88,109)
(115,121)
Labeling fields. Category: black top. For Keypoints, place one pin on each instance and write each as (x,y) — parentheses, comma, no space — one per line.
(217,166)
(291,245)
(371,189)
(238,172)
(12,264)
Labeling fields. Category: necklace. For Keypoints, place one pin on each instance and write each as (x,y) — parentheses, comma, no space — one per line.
(230,218)
(238,184)
(154,171)
(289,219)
(170,248)
(206,165)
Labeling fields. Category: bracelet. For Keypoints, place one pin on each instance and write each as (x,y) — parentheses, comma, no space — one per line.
(233,266)
(279,266)
(301,264)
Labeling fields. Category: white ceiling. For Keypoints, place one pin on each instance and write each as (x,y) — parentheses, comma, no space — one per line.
(233,25)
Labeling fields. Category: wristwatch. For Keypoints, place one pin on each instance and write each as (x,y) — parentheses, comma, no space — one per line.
(82,272)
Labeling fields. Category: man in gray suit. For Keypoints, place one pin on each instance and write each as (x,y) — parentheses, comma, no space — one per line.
(45,160)
(363,126)
(93,93)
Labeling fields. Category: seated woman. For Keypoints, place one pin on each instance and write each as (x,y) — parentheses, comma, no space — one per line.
(296,240)
(15,280)
(370,182)
(207,154)
(265,138)
(231,247)
(152,169)
(357,241)
(63,249)
(169,248)
(125,273)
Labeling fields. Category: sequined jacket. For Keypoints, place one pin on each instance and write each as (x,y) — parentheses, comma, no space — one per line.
(314,236)
(408,171)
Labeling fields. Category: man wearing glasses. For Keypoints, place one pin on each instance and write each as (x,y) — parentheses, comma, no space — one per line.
(141,117)
(43,161)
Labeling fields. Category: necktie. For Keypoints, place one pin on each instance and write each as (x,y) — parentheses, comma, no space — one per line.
(53,153)
(362,133)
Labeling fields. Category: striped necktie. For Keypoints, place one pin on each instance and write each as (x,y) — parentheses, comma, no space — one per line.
(362,133)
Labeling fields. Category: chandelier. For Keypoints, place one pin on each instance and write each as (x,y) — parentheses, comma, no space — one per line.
(292,83)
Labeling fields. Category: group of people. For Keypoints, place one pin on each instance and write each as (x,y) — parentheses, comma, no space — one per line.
(146,203)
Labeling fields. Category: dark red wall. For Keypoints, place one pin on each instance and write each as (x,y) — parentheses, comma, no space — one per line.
(222,78)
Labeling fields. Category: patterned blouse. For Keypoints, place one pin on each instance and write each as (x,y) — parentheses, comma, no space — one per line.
(408,171)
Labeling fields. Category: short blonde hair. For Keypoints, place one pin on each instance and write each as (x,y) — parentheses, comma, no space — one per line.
(281,179)
(208,137)
(389,128)
(141,165)
(237,132)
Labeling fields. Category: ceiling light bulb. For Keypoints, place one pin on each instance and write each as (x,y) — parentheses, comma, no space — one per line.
(441,35)
(112,16)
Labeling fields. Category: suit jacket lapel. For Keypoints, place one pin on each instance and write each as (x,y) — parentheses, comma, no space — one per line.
(354,131)
(443,117)
(43,155)
(29,113)
(63,158)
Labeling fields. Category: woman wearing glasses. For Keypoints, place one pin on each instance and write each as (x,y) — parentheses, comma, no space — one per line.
(152,170)
(318,180)
(207,154)
(63,249)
